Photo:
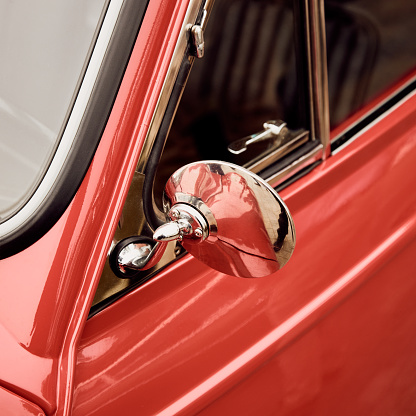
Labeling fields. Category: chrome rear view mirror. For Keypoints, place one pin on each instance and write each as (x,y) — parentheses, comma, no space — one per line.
(225,216)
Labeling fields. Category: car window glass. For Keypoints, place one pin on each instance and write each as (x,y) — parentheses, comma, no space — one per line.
(246,77)
(43,45)
(370,46)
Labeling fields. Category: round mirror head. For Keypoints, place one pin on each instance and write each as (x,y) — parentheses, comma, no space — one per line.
(249,231)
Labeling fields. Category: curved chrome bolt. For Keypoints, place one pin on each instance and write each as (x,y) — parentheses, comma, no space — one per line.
(139,256)
(168,232)
(273,129)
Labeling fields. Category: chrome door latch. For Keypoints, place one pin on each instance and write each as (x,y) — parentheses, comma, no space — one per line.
(273,130)
(196,32)
(197,44)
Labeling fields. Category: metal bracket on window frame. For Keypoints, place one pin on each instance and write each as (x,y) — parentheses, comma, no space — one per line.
(312,12)
(133,221)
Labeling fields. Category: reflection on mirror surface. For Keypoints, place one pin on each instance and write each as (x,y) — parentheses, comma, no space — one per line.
(251,232)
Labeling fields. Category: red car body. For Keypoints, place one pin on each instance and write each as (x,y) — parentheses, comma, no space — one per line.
(331,333)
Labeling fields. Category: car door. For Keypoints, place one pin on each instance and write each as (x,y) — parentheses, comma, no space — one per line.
(332,332)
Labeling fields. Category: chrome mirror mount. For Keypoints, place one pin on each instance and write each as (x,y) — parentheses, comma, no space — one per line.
(222,214)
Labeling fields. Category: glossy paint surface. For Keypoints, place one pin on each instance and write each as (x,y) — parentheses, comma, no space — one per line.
(331,333)
(13,405)
(46,290)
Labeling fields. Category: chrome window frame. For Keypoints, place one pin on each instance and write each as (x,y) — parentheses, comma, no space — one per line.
(134,221)
(313,16)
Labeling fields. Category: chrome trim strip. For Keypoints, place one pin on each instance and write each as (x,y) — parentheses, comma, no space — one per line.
(371,113)
(74,121)
(301,163)
(317,72)
(173,70)
(375,121)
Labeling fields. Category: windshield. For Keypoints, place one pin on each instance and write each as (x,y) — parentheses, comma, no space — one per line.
(44,46)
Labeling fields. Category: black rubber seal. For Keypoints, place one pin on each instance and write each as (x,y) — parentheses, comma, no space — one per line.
(356,128)
(151,212)
(89,133)
(153,216)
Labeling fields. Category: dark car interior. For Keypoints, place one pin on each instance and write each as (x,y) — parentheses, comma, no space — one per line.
(248,74)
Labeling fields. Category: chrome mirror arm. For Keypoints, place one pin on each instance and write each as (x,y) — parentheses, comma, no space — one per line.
(222,214)
(142,254)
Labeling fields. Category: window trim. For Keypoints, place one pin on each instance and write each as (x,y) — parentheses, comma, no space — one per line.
(382,109)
